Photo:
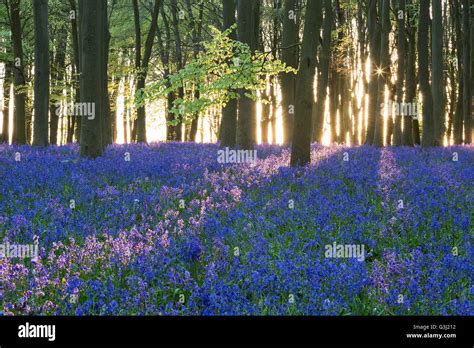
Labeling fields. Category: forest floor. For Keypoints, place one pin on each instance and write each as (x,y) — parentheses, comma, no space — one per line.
(167,229)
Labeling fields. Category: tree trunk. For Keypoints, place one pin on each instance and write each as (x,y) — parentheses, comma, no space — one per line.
(19,113)
(374,43)
(437,73)
(411,73)
(466,101)
(319,109)
(196,30)
(179,65)
(290,41)
(57,76)
(246,129)
(472,76)
(106,113)
(141,66)
(274,104)
(401,53)
(301,147)
(92,74)
(4,137)
(383,74)
(428,138)
(75,121)
(228,133)
(333,100)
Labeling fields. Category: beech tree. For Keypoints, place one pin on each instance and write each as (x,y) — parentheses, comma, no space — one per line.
(92,14)
(229,111)
(301,146)
(428,138)
(40,134)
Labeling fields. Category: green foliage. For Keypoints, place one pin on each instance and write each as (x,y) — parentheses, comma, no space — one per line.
(224,67)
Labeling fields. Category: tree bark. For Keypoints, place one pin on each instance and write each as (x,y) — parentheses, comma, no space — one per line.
(324,59)
(92,74)
(179,65)
(467,73)
(374,43)
(57,76)
(228,133)
(437,57)
(301,146)
(401,53)
(428,138)
(383,73)
(4,136)
(246,124)
(290,41)
(19,113)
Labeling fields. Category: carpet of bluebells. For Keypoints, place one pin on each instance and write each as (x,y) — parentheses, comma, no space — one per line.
(173,232)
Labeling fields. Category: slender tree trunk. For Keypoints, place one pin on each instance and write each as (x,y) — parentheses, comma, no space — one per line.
(437,73)
(106,113)
(397,131)
(228,133)
(382,75)
(374,42)
(274,104)
(428,138)
(19,113)
(290,41)
(57,76)
(265,116)
(6,104)
(40,135)
(75,121)
(333,100)
(467,72)
(246,128)
(472,76)
(179,64)
(319,109)
(411,72)
(301,146)
(363,53)
(196,30)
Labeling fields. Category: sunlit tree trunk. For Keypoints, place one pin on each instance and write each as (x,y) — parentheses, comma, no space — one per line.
(6,104)
(325,56)
(57,77)
(397,131)
(290,40)
(75,121)
(374,44)
(141,64)
(383,73)
(301,146)
(196,29)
